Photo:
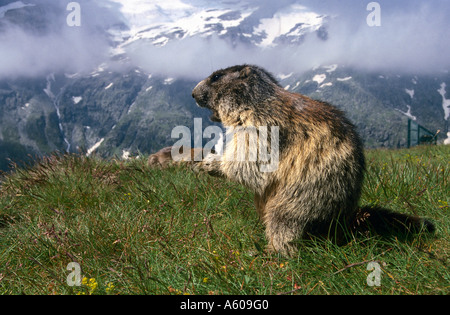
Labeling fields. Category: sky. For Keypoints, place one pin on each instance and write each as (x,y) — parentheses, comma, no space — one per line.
(39,41)
(413,37)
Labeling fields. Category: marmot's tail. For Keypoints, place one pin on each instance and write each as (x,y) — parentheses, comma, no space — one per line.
(386,222)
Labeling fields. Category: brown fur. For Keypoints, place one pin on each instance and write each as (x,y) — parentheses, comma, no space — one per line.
(163,157)
(321,161)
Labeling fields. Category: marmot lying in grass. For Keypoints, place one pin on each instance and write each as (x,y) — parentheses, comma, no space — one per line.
(163,157)
(316,185)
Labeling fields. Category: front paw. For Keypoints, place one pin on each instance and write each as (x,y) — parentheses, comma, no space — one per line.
(197,168)
(210,164)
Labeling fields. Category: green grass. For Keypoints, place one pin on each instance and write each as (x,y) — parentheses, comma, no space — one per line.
(140,230)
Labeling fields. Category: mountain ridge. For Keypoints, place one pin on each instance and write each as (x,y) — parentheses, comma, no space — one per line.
(120,109)
(135,111)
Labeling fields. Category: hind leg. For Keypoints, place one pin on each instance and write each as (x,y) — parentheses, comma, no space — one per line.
(260,205)
(281,231)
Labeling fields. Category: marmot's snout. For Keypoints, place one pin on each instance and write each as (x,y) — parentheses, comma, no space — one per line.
(200,95)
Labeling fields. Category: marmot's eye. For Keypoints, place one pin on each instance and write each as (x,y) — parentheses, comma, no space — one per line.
(215,77)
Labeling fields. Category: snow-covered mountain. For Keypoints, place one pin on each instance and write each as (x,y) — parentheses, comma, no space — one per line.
(158,22)
(12,6)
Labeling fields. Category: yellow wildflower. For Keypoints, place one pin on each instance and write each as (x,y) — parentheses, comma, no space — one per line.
(109,287)
(90,283)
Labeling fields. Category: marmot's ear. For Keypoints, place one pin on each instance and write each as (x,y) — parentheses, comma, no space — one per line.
(246,72)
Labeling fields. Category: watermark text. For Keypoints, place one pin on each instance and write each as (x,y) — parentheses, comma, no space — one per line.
(74,17)
(374,17)
(241,144)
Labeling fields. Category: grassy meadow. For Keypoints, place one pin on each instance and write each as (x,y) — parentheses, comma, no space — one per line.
(139,230)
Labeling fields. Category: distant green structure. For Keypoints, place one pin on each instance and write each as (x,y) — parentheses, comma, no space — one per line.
(418,134)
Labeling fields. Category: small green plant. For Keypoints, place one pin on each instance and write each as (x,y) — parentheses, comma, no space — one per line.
(139,230)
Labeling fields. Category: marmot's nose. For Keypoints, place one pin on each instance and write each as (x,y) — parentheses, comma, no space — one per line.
(196,90)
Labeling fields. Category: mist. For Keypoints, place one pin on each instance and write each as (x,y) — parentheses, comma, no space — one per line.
(413,38)
(39,41)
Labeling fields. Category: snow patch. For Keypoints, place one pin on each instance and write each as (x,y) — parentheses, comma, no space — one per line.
(319,78)
(447,141)
(331,68)
(445,101)
(295,20)
(160,20)
(94,147)
(344,79)
(410,93)
(162,41)
(296,85)
(101,68)
(282,76)
(71,75)
(149,88)
(169,81)
(325,85)
(125,155)
(408,113)
(25,106)
(48,88)
(109,86)
(76,99)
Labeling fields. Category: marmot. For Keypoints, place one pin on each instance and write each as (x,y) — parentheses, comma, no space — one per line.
(163,157)
(321,161)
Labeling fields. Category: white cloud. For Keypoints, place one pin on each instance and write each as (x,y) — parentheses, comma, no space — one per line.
(42,42)
(413,37)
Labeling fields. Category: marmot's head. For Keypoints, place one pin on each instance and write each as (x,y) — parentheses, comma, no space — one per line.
(231,93)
